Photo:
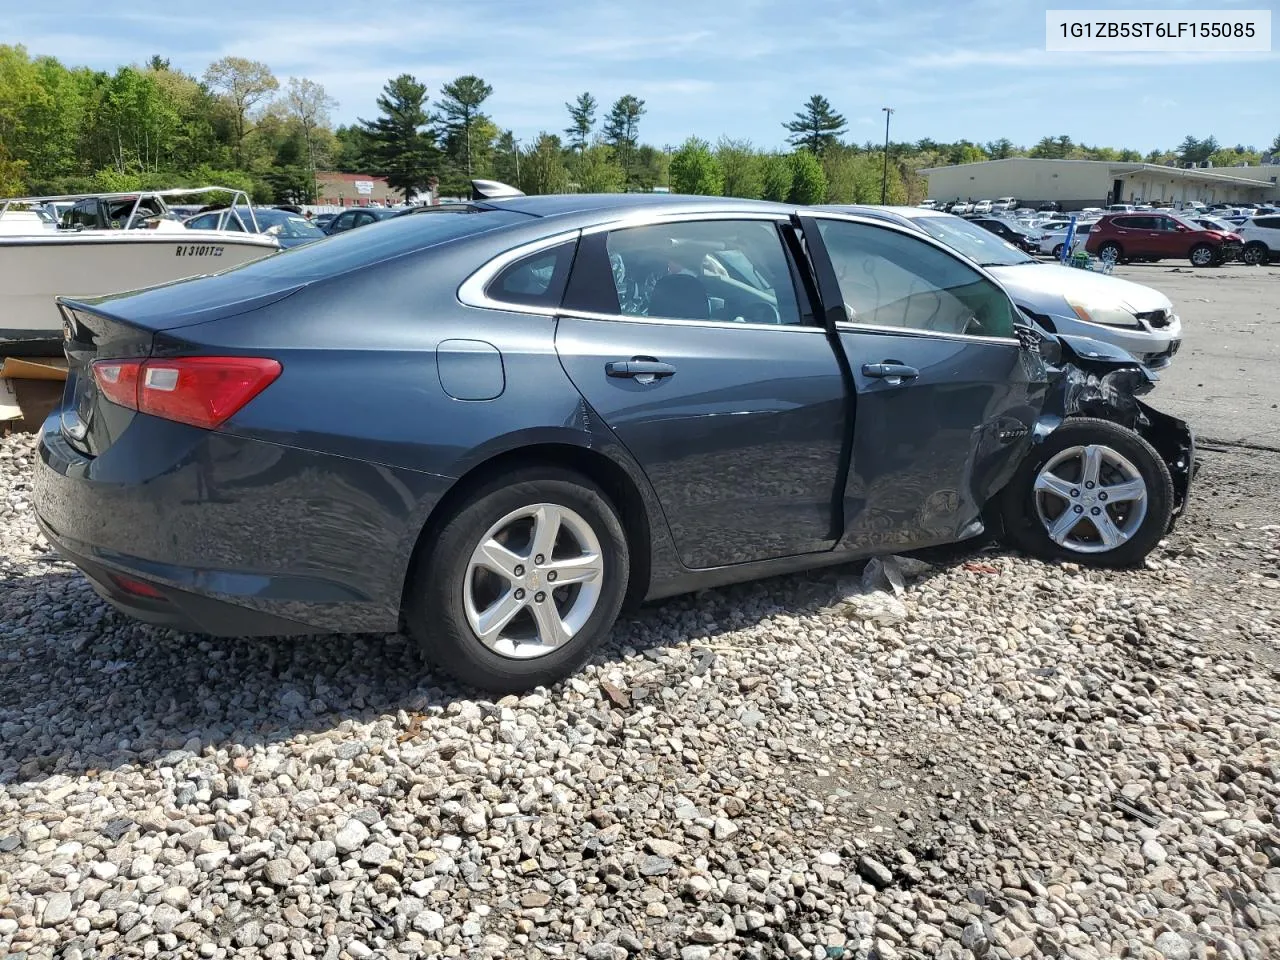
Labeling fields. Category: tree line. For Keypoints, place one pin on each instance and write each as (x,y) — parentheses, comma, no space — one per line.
(72,129)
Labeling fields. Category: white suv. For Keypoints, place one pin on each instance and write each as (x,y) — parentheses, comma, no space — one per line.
(1261,237)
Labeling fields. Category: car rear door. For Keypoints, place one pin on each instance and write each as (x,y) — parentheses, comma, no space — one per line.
(691,339)
(945,393)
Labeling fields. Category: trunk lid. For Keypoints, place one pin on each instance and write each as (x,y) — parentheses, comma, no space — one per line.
(90,422)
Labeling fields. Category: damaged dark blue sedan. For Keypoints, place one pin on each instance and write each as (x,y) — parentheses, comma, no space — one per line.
(494,427)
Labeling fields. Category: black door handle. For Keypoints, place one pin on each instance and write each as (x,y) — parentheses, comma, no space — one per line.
(643,368)
(889,370)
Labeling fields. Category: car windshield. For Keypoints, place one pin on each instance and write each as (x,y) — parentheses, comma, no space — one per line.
(969,240)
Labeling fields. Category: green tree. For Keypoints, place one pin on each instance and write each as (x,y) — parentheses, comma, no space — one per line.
(13,174)
(1000,149)
(582,119)
(542,169)
(403,144)
(776,177)
(466,147)
(355,149)
(596,171)
(1052,148)
(309,105)
(1275,144)
(694,169)
(817,126)
(506,157)
(244,83)
(622,130)
(808,182)
(742,168)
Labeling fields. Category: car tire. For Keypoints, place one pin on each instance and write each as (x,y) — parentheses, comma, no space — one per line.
(1038,497)
(1057,252)
(447,589)
(1256,254)
(1204,255)
(1111,251)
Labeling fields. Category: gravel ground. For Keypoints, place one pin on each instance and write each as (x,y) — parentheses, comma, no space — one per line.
(1011,760)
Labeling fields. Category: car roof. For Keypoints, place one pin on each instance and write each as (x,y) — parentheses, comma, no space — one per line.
(623,203)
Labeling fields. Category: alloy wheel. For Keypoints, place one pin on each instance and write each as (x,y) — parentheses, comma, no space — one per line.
(1201,256)
(533,581)
(1091,499)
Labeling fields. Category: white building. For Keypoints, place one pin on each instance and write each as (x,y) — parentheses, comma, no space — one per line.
(1096,183)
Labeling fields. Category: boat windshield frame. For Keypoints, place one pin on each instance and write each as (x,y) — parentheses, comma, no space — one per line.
(238,198)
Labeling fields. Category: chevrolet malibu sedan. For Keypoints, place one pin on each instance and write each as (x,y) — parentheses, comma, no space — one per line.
(493,428)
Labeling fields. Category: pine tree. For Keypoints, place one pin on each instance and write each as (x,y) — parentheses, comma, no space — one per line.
(817,126)
(582,118)
(459,112)
(403,143)
(622,129)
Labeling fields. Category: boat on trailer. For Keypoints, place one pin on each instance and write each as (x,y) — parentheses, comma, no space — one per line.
(111,243)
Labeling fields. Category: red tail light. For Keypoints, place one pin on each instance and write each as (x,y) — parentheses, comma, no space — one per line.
(201,391)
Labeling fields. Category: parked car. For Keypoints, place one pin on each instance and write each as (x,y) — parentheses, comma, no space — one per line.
(357,217)
(928,204)
(1130,316)
(322,220)
(1121,208)
(495,428)
(1213,223)
(1261,236)
(961,207)
(1156,236)
(982,206)
(32,220)
(1055,237)
(1004,205)
(289,229)
(1024,238)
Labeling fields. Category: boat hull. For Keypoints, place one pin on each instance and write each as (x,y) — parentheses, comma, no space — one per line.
(36,269)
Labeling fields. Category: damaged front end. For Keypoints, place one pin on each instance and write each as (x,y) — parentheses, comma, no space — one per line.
(1092,379)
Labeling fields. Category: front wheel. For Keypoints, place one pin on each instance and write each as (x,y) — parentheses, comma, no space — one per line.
(1256,255)
(1094,492)
(1203,255)
(1057,252)
(523,582)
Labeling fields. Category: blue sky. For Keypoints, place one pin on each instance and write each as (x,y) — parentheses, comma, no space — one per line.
(964,68)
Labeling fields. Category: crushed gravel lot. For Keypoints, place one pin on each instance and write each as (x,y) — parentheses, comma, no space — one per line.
(1013,760)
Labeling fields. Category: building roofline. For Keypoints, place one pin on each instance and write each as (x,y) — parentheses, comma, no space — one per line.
(1122,168)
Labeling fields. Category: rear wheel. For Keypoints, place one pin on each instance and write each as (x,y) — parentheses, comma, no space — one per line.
(1057,252)
(1203,255)
(1094,492)
(523,582)
(1256,254)
(1110,251)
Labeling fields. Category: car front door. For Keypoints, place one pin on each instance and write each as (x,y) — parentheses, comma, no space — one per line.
(946,395)
(689,339)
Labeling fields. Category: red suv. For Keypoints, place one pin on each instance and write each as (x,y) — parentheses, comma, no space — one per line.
(1156,235)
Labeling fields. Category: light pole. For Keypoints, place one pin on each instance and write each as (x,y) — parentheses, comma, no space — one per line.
(884,179)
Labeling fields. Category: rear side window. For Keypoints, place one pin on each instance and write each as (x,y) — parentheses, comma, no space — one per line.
(360,248)
(537,280)
(1267,223)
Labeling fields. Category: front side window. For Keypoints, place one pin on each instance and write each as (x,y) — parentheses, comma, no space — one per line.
(891,279)
(727,270)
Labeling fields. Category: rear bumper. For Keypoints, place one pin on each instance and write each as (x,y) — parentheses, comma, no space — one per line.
(174,608)
(240,537)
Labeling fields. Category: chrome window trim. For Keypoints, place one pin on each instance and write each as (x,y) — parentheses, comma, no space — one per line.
(472,292)
(852,327)
(677,322)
